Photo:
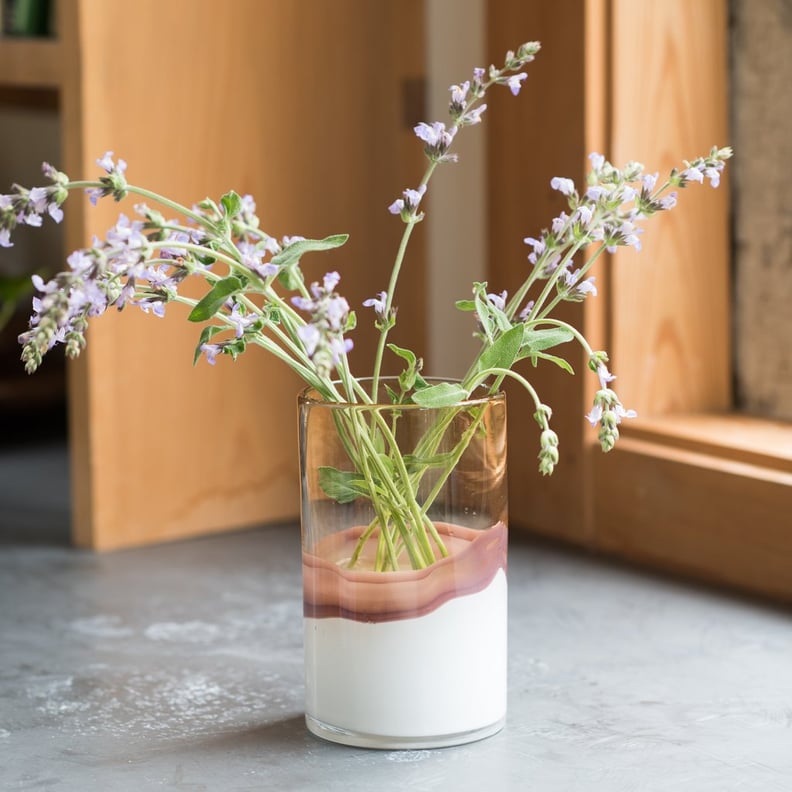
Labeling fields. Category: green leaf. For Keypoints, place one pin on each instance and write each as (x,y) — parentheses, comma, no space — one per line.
(206,335)
(483,313)
(504,351)
(444,394)
(342,486)
(405,354)
(214,299)
(408,377)
(235,348)
(547,338)
(232,204)
(465,305)
(559,361)
(291,277)
(292,253)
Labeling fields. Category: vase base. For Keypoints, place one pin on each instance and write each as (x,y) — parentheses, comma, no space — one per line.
(390,743)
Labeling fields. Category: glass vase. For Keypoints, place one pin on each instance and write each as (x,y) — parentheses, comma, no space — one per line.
(404,539)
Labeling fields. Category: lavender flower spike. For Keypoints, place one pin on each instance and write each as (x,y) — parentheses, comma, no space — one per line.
(323,337)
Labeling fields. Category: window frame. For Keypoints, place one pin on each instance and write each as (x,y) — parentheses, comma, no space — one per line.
(692,486)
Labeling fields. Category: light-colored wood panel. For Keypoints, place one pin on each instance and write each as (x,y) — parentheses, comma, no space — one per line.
(531,139)
(702,515)
(670,304)
(295,103)
(733,436)
(31,63)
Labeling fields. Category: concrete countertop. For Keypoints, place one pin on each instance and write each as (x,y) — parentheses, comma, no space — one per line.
(179,667)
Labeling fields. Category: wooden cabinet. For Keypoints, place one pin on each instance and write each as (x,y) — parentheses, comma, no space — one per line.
(298,104)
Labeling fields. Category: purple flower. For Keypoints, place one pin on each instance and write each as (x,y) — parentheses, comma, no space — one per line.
(37,198)
(211,351)
(459,93)
(526,312)
(604,375)
(539,247)
(240,320)
(649,181)
(514,82)
(407,205)
(629,232)
(80,262)
(253,257)
(474,116)
(5,238)
(156,307)
(174,252)
(322,336)
(564,186)
(378,303)
(498,300)
(44,288)
(693,174)
(595,416)
(559,223)
(437,139)
(330,281)
(433,135)
(310,336)
(713,174)
(107,164)
(579,290)
(584,214)
(597,161)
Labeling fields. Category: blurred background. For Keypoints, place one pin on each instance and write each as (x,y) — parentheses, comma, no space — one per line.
(309,106)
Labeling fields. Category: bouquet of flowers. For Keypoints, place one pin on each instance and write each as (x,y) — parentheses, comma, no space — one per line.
(256,294)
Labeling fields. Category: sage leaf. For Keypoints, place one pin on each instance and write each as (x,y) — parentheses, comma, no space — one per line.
(546,338)
(215,298)
(444,394)
(504,351)
(559,361)
(342,486)
(292,253)
(232,203)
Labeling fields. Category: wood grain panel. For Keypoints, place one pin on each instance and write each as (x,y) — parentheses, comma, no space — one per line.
(532,138)
(296,103)
(699,514)
(671,303)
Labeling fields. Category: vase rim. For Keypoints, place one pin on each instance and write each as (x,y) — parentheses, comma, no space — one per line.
(309,395)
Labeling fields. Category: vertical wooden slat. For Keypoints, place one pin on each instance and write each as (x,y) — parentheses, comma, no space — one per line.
(532,138)
(296,103)
(671,302)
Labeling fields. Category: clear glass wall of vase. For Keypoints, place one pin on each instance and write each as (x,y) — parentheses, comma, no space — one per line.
(404,537)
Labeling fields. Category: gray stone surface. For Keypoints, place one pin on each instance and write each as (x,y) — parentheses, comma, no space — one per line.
(179,667)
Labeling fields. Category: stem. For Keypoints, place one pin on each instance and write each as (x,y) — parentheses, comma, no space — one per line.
(394,278)
(144,193)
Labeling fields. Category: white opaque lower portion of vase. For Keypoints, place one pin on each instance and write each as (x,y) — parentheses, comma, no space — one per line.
(430,681)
